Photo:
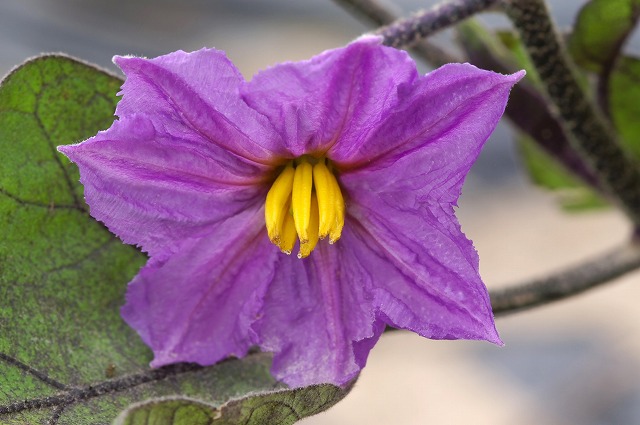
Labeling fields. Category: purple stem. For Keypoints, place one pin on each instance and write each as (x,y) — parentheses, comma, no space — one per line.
(406,32)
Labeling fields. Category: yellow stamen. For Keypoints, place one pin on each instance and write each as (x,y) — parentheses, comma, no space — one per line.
(276,204)
(338,224)
(304,203)
(289,235)
(301,199)
(312,241)
(326,198)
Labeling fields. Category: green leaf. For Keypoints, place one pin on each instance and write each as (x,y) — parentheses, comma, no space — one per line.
(600,32)
(547,173)
(282,407)
(168,411)
(66,356)
(512,42)
(624,102)
(601,28)
(478,40)
(531,112)
(502,46)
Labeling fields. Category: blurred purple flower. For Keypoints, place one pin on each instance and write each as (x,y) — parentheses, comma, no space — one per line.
(353,137)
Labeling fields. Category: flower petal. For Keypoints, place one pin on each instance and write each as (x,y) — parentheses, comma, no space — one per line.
(442,104)
(401,204)
(155,189)
(198,305)
(335,97)
(197,92)
(433,163)
(318,316)
(426,271)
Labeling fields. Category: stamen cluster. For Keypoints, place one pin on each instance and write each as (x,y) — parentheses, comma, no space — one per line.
(305,203)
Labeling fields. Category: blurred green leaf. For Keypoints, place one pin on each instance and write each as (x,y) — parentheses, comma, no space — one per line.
(546,152)
(168,411)
(624,102)
(601,28)
(283,407)
(512,42)
(65,352)
(547,173)
(503,46)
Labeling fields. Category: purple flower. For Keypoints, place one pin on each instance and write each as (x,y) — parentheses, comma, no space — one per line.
(352,145)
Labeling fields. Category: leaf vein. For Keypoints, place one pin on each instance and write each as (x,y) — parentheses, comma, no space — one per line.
(56,413)
(54,152)
(75,395)
(33,372)
(51,206)
(93,253)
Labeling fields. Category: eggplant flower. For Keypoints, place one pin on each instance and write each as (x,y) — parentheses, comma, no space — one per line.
(352,161)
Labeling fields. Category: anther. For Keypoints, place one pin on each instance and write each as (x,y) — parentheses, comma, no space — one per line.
(312,241)
(326,198)
(276,204)
(301,199)
(338,223)
(289,235)
(305,203)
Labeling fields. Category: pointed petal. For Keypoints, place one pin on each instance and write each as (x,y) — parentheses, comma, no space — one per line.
(198,93)
(199,304)
(336,96)
(401,206)
(426,270)
(155,189)
(318,317)
(454,108)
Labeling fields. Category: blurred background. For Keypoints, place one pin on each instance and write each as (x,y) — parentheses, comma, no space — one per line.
(573,362)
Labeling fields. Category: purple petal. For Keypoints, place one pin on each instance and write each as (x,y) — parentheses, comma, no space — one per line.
(318,317)
(401,204)
(435,154)
(426,271)
(156,189)
(457,102)
(197,93)
(336,97)
(199,304)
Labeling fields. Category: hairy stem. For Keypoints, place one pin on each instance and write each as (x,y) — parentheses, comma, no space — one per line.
(572,281)
(380,14)
(593,139)
(406,32)
(526,108)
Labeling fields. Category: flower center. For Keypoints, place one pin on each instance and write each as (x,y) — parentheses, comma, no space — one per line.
(305,203)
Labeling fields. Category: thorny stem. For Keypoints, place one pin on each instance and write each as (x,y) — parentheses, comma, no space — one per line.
(526,107)
(380,14)
(406,32)
(570,282)
(593,139)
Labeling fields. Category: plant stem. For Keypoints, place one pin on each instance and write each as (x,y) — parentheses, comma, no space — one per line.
(593,139)
(570,282)
(380,14)
(406,32)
